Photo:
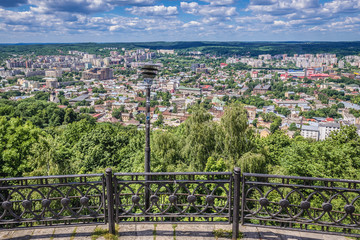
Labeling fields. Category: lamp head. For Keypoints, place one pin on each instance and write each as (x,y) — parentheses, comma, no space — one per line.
(149,71)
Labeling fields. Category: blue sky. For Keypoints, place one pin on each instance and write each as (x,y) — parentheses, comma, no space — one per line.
(154,20)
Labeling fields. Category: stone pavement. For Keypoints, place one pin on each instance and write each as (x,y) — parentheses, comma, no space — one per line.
(159,231)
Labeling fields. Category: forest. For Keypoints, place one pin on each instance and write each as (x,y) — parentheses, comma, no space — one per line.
(207,47)
(38,138)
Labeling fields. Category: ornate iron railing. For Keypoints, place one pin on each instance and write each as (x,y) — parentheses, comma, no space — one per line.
(36,201)
(296,203)
(173,196)
(301,203)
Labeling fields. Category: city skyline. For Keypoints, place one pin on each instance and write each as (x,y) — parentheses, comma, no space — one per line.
(51,21)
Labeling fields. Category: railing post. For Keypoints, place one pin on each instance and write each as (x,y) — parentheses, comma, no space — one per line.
(243,200)
(110,200)
(236,207)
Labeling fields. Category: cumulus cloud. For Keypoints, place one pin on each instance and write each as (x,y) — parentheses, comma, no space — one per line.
(303,15)
(207,10)
(192,24)
(154,11)
(84,6)
(190,8)
(218,11)
(219,2)
(342,6)
(79,23)
(216,18)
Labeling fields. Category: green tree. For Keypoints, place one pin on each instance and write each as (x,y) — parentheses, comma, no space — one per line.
(236,137)
(159,121)
(17,138)
(292,127)
(116,113)
(70,116)
(275,125)
(175,109)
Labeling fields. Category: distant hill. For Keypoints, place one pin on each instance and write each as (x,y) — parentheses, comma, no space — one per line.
(218,48)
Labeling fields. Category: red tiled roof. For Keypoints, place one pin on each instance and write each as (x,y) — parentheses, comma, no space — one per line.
(319,75)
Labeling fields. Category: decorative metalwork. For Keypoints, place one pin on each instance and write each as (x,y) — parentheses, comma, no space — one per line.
(306,203)
(173,196)
(297,203)
(33,201)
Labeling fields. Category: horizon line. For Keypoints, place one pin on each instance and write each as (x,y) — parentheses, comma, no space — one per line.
(268,41)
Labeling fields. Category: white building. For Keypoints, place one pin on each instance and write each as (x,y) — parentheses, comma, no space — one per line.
(310,132)
(53,73)
(326,128)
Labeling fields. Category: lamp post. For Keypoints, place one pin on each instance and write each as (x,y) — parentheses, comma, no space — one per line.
(149,73)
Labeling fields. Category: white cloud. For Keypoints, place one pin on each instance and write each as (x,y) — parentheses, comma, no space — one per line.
(154,11)
(190,8)
(342,6)
(192,24)
(207,10)
(219,2)
(84,6)
(217,11)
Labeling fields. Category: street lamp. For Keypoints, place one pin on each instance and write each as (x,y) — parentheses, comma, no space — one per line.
(149,73)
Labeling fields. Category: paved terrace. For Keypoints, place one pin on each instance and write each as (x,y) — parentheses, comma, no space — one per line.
(159,232)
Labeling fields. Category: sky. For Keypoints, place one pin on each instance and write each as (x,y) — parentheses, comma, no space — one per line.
(51,21)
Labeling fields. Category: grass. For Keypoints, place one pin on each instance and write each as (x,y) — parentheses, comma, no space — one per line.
(100,232)
(73,234)
(154,231)
(222,233)
(174,232)
(52,235)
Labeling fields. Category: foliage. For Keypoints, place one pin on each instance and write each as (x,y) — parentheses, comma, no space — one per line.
(116,113)
(32,144)
(323,112)
(292,127)
(275,125)
(17,138)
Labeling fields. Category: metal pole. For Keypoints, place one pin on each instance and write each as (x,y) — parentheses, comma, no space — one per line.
(149,73)
(147,130)
(236,212)
(243,200)
(147,149)
(110,200)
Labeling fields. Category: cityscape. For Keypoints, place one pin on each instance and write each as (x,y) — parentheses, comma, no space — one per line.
(302,94)
(192,119)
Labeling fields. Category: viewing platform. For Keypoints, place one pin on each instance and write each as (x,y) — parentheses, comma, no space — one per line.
(160,231)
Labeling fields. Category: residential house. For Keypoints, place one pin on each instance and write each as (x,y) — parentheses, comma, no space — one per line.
(261,89)
(310,132)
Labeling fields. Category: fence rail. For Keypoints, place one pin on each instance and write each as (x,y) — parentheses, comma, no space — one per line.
(172,196)
(301,203)
(51,200)
(287,202)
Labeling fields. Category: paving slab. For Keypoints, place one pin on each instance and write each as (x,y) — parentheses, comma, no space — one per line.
(144,231)
(194,231)
(162,231)
(64,233)
(43,233)
(84,232)
(249,233)
(23,234)
(5,234)
(127,231)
